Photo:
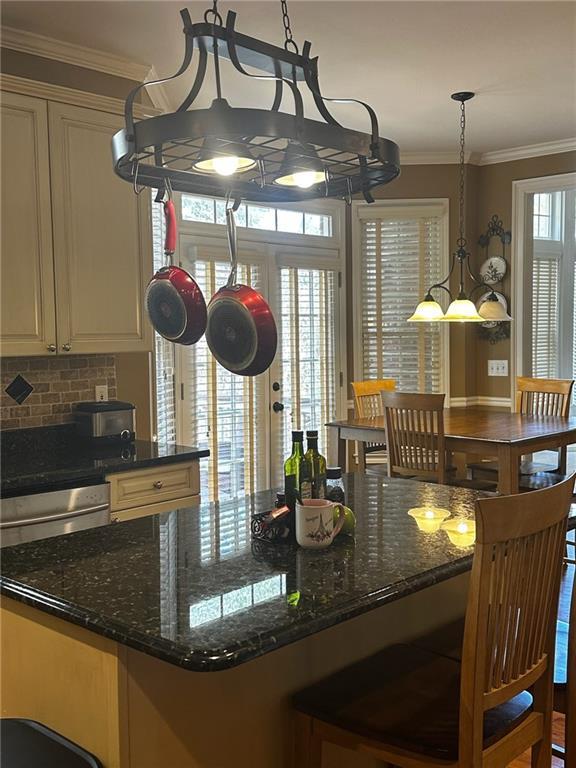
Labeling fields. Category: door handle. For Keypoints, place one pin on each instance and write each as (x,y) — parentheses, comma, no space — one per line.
(276,386)
(277,407)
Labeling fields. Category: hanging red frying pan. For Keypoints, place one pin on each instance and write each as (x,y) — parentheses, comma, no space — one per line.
(174,302)
(241,331)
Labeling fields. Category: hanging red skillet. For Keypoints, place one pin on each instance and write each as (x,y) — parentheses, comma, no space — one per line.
(174,302)
(241,331)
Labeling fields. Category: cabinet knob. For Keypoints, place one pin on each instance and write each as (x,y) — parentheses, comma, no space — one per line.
(66,347)
(158,484)
(51,347)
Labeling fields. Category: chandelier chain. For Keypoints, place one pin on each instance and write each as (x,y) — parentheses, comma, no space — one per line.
(289,40)
(462,168)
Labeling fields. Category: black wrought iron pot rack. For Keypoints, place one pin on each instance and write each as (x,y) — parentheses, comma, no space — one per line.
(148,152)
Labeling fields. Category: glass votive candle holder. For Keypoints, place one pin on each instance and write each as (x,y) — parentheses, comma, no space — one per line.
(461,532)
(429,519)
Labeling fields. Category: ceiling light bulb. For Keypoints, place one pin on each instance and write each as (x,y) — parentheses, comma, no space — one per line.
(226,165)
(305,179)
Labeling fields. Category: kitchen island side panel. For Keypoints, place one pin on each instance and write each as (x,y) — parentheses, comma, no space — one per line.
(144,713)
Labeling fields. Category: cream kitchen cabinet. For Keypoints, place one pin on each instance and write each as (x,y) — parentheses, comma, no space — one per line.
(79,237)
(27,313)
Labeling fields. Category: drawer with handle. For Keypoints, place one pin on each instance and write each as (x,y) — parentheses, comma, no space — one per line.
(153,485)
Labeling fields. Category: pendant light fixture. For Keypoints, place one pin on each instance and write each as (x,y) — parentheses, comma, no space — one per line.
(461,308)
(262,155)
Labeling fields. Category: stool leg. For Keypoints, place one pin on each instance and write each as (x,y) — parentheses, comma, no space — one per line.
(307,746)
(542,693)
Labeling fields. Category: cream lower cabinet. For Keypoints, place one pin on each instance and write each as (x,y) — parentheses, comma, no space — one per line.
(27,307)
(84,295)
(143,492)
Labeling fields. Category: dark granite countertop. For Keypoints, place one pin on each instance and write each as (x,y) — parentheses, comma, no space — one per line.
(190,587)
(50,458)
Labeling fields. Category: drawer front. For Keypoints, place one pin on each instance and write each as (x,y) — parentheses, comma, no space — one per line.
(122,515)
(149,486)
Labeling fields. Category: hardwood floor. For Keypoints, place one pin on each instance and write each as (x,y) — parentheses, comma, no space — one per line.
(558,727)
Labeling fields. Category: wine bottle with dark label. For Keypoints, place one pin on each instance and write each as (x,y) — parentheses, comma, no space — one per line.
(292,469)
(316,464)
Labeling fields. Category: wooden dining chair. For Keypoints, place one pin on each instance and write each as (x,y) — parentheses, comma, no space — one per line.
(367,403)
(416,440)
(415,435)
(535,397)
(412,708)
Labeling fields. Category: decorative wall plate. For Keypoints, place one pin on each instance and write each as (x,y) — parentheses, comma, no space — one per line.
(493,270)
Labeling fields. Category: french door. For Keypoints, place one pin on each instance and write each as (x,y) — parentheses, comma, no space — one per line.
(246,422)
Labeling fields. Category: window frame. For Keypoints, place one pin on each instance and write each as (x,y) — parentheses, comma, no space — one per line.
(520,264)
(397,208)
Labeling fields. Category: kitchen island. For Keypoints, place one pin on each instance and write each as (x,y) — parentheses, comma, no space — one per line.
(176,641)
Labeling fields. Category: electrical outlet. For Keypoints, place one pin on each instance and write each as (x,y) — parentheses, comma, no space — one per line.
(497,367)
(101,392)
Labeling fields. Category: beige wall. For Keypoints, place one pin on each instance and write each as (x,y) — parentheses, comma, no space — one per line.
(495,196)
(133,371)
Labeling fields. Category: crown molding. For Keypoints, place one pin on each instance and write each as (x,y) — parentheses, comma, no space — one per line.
(69,53)
(433,158)
(41,90)
(530,150)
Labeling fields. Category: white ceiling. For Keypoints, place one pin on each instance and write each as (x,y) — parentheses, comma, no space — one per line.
(404,58)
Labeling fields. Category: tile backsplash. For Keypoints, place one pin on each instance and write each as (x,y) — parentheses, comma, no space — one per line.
(58,383)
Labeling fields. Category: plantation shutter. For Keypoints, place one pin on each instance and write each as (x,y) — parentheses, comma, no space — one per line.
(401,256)
(221,411)
(308,321)
(164,357)
(545,316)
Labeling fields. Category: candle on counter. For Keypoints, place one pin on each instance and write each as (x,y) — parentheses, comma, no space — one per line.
(461,532)
(429,519)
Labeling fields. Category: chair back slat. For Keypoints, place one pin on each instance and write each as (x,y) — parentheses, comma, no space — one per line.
(543,397)
(513,599)
(415,434)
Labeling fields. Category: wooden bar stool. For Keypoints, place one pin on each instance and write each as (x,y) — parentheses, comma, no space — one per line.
(413,708)
(367,403)
(28,744)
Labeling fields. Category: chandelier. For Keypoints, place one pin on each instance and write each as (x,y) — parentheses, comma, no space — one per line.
(461,308)
(263,155)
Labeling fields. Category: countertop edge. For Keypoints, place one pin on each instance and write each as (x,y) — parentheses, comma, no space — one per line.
(218,660)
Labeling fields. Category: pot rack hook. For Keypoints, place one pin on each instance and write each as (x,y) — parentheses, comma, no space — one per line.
(135,184)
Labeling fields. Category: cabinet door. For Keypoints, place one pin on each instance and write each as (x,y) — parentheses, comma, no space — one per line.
(27,273)
(102,238)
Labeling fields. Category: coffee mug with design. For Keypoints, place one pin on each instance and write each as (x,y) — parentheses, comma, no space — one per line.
(315,525)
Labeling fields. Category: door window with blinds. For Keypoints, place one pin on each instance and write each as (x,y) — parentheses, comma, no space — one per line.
(246,422)
(551,285)
(399,251)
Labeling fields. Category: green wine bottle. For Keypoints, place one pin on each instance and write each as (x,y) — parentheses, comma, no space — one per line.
(317,465)
(297,478)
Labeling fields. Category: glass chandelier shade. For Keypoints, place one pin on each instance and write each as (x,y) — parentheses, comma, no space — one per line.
(492,310)
(462,310)
(427,311)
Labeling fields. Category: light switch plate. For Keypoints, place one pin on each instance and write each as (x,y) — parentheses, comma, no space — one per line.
(101,392)
(497,367)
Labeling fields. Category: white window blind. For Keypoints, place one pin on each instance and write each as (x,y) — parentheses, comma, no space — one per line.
(222,411)
(307,354)
(165,399)
(545,318)
(400,256)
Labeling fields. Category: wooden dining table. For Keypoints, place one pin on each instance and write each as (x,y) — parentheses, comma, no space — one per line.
(504,435)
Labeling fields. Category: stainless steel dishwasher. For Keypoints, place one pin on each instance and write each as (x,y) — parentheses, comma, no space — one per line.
(43,515)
